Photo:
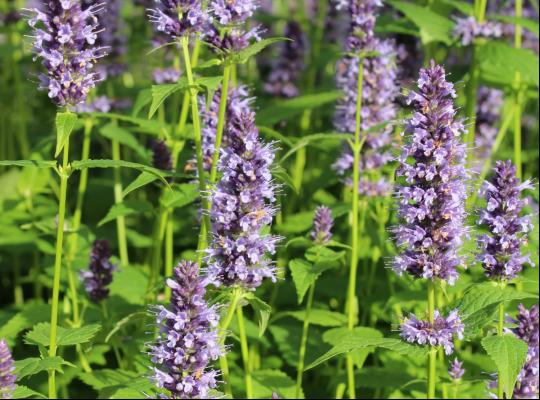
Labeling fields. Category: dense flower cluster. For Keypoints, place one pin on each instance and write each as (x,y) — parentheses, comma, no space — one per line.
(65,39)
(188,339)
(432,202)
(178,18)
(439,333)
(467,29)
(488,111)
(289,65)
(161,155)
(7,367)
(241,207)
(527,330)
(456,370)
(229,34)
(322,225)
(100,273)
(501,248)
(165,75)
(378,94)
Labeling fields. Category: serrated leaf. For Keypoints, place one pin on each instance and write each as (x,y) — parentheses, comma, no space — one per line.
(161,92)
(180,195)
(65,122)
(126,208)
(317,316)
(243,55)
(123,136)
(40,334)
(103,378)
(28,163)
(266,382)
(34,365)
(28,317)
(210,83)
(142,180)
(262,311)
(509,354)
(304,275)
(23,392)
(120,164)
(323,255)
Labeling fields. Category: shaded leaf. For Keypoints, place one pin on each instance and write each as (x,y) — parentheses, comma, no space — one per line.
(65,122)
(126,208)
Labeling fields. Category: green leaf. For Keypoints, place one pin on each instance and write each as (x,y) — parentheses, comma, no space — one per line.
(305,274)
(161,92)
(323,255)
(253,49)
(282,175)
(31,314)
(40,334)
(34,365)
(65,122)
(136,316)
(123,136)
(262,311)
(103,378)
(509,354)
(144,125)
(142,180)
(23,392)
(126,208)
(143,99)
(317,316)
(120,163)
(135,292)
(499,63)
(268,381)
(286,109)
(208,64)
(210,83)
(28,163)
(274,135)
(433,27)
(180,195)
(462,6)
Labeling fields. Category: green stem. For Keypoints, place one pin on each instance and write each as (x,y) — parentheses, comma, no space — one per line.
(64,175)
(518,95)
(169,251)
(221,121)
(157,240)
(432,362)
(205,223)
(500,331)
(223,326)
(118,198)
(357,147)
(245,351)
(472,93)
(303,342)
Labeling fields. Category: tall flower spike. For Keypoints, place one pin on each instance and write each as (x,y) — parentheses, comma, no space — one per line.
(378,95)
(178,18)
(488,112)
(467,29)
(456,370)
(501,248)
(65,39)
(289,65)
(527,330)
(439,333)
(100,273)
(432,200)
(7,377)
(161,156)
(322,225)
(188,339)
(242,205)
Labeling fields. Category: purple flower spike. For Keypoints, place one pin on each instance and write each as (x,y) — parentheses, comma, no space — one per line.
(501,248)
(527,330)
(178,18)
(468,29)
(488,112)
(100,274)
(322,224)
(432,201)
(65,38)
(188,339)
(162,156)
(439,333)
(289,65)
(7,377)
(165,75)
(233,12)
(456,370)
(242,205)
(378,95)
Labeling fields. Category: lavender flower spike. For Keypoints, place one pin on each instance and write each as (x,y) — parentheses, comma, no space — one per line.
(527,330)
(322,224)
(7,378)
(178,18)
(501,248)
(432,199)
(161,156)
(468,29)
(242,205)
(439,333)
(64,38)
(188,340)
(99,276)
(456,370)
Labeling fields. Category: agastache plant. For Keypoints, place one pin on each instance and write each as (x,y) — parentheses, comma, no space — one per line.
(456,370)
(7,368)
(178,18)
(100,272)
(501,255)
(468,29)
(65,39)
(188,340)
(322,225)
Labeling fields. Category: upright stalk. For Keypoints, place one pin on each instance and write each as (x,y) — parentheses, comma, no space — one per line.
(518,94)
(223,326)
(303,342)
(64,175)
(221,121)
(169,249)
(432,362)
(118,198)
(357,147)
(205,222)
(245,351)
(500,332)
